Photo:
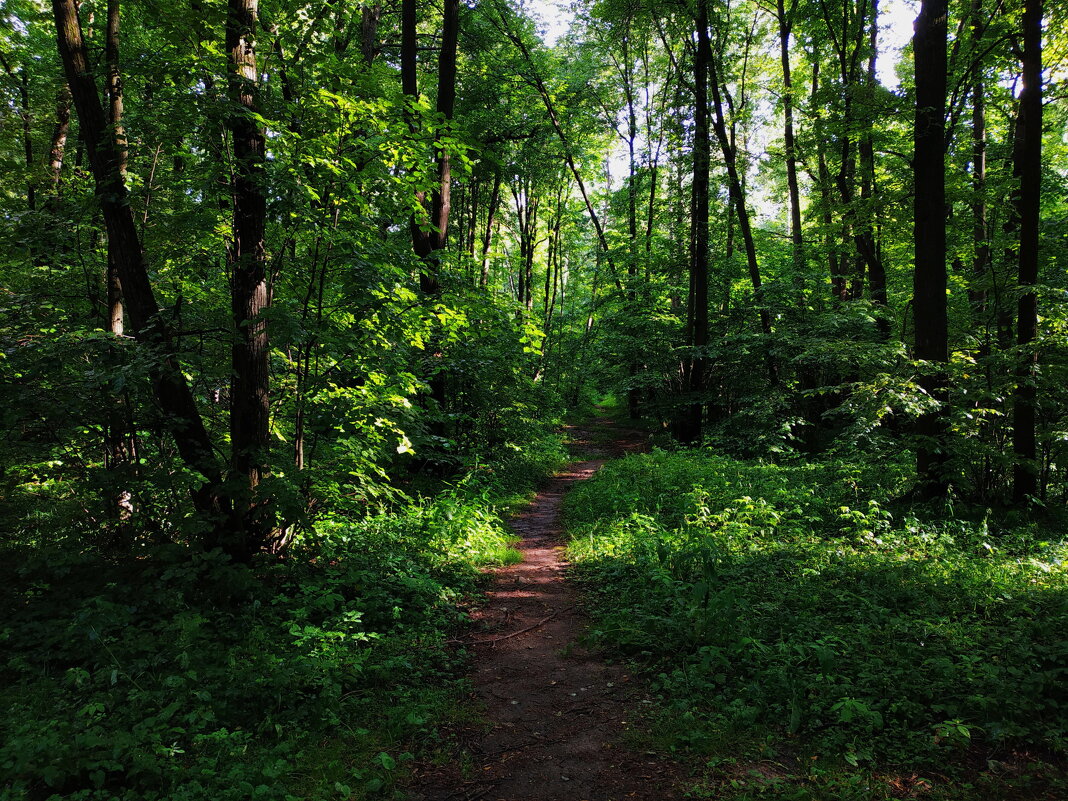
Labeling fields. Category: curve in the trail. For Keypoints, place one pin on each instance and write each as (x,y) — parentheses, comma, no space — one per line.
(558,713)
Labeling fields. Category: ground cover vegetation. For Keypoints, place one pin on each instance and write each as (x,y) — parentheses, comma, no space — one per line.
(292,295)
(812,643)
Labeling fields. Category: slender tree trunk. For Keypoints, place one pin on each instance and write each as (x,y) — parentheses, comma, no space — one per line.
(692,418)
(170,389)
(980,235)
(428,244)
(981,256)
(1027,168)
(929,278)
(27,136)
(118,438)
(867,244)
(58,148)
(797,244)
(442,200)
(550,108)
(491,214)
(737,194)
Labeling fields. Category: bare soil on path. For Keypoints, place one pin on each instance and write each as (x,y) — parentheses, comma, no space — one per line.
(558,713)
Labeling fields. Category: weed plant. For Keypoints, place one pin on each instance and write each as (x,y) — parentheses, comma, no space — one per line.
(785,615)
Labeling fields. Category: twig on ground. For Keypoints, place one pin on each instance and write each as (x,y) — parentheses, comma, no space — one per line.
(541,622)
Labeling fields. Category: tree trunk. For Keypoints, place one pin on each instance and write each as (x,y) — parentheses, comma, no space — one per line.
(119,442)
(691,419)
(1027,168)
(737,194)
(60,130)
(797,244)
(867,244)
(491,214)
(370,16)
(249,402)
(929,277)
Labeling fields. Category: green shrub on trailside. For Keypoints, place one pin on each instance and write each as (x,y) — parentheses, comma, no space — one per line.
(785,602)
(173,676)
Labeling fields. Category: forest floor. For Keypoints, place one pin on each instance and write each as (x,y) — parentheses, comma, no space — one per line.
(556,714)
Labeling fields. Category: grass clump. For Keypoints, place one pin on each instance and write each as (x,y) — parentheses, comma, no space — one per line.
(788,617)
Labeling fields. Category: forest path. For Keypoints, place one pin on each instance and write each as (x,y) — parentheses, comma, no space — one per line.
(557,712)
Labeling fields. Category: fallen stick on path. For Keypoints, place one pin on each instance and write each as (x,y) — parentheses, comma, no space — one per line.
(541,622)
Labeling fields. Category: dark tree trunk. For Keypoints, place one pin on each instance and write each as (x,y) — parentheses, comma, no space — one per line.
(119,442)
(169,386)
(697,315)
(929,278)
(1027,168)
(981,257)
(442,200)
(249,403)
(797,244)
(491,215)
(427,244)
(867,244)
(370,16)
(980,236)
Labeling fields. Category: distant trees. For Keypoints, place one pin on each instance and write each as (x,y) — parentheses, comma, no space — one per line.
(871,211)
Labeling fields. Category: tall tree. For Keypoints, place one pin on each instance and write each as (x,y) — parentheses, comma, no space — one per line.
(249,396)
(120,444)
(729,148)
(929,276)
(1027,168)
(697,314)
(785,19)
(427,243)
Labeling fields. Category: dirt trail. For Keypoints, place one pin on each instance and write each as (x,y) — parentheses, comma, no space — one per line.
(557,711)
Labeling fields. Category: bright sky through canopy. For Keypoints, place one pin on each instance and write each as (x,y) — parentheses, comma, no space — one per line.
(895,29)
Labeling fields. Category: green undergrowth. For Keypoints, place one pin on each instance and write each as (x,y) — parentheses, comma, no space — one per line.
(510,479)
(812,644)
(160,673)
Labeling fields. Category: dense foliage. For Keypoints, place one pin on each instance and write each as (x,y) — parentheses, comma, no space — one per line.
(160,675)
(293,294)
